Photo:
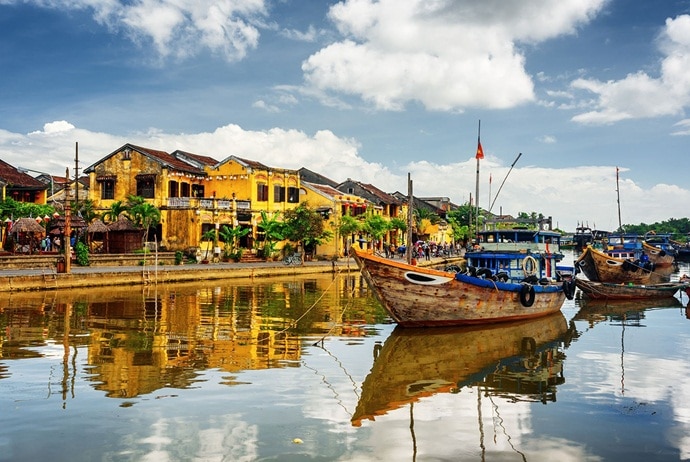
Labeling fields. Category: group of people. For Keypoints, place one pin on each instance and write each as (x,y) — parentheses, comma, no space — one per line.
(422,250)
(50,245)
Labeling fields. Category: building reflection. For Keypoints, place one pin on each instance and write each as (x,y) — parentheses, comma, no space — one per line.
(141,340)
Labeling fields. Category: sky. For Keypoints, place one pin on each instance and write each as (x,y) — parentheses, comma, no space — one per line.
(562,94)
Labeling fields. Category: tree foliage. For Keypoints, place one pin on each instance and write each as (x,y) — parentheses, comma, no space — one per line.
(305,226)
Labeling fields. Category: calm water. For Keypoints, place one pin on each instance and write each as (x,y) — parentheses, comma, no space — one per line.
(309,369)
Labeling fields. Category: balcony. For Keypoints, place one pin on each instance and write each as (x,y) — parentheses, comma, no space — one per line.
(211,203)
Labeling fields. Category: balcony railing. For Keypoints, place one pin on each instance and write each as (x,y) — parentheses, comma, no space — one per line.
(206,203)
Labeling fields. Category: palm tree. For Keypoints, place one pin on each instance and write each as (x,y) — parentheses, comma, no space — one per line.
(231,236)
(116,209)
(209,235)
(273,232)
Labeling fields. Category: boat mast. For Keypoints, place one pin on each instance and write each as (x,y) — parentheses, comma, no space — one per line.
(618,194)
(410,215)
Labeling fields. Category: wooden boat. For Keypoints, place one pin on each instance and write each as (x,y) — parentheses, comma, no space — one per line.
(658,256)
(519,358)
(601,267)
(606,290)
(419,296)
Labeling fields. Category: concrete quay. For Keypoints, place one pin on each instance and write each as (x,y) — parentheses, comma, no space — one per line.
(47,278)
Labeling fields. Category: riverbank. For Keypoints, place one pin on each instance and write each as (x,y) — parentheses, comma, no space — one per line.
(17,279)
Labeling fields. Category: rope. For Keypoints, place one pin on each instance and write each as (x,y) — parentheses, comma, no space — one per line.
(323,293)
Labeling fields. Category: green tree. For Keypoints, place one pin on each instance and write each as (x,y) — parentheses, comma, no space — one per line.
(398,224)
(143,214)
(209,236)
(273,230)
(230,237)
(347,226)
(86,209)
(116,209)
(420,215)
(305,227)
(9,208)
(376,226)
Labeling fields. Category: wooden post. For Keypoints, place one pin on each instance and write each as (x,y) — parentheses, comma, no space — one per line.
(68,229)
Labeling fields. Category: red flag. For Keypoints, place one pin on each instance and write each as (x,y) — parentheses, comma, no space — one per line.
(480,151)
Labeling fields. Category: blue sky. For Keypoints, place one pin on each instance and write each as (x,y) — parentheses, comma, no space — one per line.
(370,90)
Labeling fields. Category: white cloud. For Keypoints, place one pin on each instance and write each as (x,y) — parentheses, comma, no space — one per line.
(640,95)
(177,28)
(446,55)
(684,127)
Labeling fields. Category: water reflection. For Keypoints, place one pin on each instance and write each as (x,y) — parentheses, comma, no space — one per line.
(141,340)
(519,361)
(240,370)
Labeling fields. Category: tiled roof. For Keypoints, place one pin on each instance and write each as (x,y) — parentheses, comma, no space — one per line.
(382,197)
(167,159)
(252,163)
(15,178)
(205,160)
(324,189)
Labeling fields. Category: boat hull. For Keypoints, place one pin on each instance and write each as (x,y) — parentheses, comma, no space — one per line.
(610,291)
(659,257)
(600,267)
(417,296)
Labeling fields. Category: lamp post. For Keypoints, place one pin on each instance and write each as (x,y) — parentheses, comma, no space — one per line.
(52,182)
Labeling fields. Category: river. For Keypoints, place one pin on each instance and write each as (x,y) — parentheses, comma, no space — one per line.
(310,369)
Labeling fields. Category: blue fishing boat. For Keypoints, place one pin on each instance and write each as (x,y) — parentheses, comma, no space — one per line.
(520,254)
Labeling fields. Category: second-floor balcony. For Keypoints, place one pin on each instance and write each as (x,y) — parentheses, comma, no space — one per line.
(199,203)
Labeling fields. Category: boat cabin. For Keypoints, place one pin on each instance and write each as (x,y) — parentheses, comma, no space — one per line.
(518,254)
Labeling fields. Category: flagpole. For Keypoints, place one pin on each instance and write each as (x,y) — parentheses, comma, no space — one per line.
(476,192)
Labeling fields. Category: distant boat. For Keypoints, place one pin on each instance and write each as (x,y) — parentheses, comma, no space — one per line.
(519,359)
(610,291)
(582,238)
(418,296)
(657,247)
(598,266)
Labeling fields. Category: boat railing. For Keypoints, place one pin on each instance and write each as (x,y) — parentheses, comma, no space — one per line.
(534,247)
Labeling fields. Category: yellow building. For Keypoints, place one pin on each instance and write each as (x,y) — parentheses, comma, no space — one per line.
(333,205)
(194,193)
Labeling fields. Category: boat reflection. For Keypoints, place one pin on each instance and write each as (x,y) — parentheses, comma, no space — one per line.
(595,311)
(518,361)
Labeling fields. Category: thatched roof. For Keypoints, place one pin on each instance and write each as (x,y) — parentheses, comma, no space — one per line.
(75,221)
(27,225)
(122,224)
(97,226)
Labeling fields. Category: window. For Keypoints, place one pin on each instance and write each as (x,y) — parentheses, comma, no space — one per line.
(293,195)
(146,187)
(198,190)
(262,192)
(278,193)
(184,190)
(173,189)
(108,189)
